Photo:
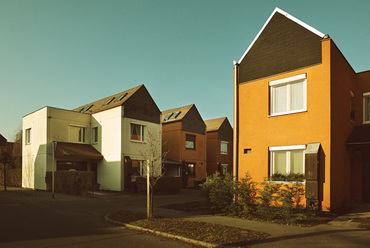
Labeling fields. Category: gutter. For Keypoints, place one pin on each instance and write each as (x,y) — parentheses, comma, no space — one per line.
(236,122)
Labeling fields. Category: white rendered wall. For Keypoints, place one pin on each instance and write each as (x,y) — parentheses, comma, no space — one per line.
(141,150)
(109,144)
(34,154)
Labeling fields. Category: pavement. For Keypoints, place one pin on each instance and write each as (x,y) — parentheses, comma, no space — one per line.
(344,231)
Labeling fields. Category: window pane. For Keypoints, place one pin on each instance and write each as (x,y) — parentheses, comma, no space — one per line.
(367,110)
(296,162)
(135,168)
(191,169)
(279,163)
(280,101)
(190,142)
(223,147)
(137,132)
(95,134)
(297,98)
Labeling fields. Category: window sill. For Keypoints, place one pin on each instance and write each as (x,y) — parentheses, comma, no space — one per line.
(288,113)
(137,141)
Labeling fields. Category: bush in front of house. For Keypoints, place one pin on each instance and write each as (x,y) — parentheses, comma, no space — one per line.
(72,182)
(270,201)
(220,191)
(164,185)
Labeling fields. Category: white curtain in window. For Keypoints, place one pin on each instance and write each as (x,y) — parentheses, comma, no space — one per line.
(296,100)
(296,162)
(280,101)
(280,163)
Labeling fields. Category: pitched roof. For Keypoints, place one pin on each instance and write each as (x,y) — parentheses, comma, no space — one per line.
(108,102)
(214,124)
(175,114)
(277,10)
(76,151)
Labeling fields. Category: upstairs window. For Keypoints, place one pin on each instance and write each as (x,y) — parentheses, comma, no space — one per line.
(77,134)
(287,163)
(366,107)
(94,135)
(137,132)
(190,142)
(28,136)
(224,147)
(288,95)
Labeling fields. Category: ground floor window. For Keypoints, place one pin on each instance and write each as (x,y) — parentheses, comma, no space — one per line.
(137,167)
(287,163)
(190,169)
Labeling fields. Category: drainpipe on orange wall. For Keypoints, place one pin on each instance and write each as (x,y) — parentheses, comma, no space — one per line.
(236,122)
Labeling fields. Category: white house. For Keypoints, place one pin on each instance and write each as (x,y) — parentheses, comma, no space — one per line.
(107,137)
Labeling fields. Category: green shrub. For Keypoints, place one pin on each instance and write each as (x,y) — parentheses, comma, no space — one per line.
(220,191)
(290,195)
(247,193)
(266,197)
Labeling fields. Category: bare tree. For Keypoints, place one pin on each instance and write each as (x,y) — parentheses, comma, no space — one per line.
(152,153)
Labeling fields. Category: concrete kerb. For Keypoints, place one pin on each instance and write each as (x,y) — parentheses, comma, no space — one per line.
(166,235)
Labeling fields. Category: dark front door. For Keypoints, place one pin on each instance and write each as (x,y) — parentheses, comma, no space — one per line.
(128,172)
(366,181)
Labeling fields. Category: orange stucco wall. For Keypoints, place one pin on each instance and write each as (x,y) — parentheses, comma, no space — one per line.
(174,144)
(258,131)
(214,155)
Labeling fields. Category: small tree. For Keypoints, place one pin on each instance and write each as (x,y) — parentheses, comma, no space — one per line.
(152,153)
(6,159)
(247,193)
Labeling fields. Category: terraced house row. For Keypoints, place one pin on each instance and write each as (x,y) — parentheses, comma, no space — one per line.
(302,112)
(109,136)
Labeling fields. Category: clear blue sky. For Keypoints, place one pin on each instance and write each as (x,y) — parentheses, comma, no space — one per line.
(67,53)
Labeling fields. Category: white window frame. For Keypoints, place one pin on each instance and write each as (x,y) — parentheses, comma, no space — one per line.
(227,147)
(288,82)
(286,149)
(94,135)
(142,132)
(365,110)
(27,134)
(84,134)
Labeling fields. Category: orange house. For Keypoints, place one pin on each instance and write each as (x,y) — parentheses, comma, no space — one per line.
(184,141)
(219,146)
(301,111)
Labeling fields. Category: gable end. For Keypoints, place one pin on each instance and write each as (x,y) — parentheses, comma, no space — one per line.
(283,45)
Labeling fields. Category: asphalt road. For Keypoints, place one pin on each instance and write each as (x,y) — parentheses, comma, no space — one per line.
(34,219)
